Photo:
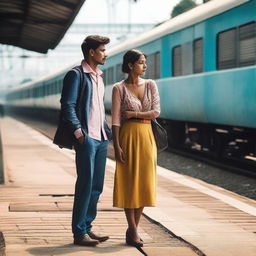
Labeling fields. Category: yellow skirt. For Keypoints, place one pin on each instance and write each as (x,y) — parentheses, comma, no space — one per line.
(135,180)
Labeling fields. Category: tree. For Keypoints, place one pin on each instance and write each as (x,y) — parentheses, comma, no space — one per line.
(183,6)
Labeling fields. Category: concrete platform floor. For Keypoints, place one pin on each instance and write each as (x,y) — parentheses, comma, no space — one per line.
(36,203)
(192,217)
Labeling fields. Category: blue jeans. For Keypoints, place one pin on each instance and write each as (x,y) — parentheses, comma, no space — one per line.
(90,167)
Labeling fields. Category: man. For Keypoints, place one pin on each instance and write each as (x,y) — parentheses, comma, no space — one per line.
(91,135)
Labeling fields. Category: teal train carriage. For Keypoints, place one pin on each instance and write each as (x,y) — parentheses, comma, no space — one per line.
(204,63)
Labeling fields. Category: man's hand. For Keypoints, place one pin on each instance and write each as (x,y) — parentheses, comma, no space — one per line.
(79,135)
(81,139)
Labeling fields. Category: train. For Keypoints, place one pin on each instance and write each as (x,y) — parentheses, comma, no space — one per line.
(204,64)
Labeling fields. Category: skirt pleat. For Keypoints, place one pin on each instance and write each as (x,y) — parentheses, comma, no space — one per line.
(135,180)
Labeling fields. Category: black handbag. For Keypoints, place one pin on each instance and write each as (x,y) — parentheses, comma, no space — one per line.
(160,135)
(64,137)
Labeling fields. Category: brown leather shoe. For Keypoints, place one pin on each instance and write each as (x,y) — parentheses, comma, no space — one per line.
(85,240)
(97,237)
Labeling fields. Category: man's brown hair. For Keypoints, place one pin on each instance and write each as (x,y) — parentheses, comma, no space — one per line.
(93,42)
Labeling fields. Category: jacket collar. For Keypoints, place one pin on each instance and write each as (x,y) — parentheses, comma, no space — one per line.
(87,69)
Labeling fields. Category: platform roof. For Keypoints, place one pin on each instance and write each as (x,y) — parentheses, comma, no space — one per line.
(36,25)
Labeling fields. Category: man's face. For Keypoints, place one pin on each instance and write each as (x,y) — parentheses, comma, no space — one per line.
(99,55)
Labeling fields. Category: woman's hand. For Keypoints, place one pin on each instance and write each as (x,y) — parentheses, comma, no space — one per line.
(119,155)
(129,114)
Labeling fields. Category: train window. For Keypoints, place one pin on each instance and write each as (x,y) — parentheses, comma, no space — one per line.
(186,58)
(176,61)
(198,56)
(153,66)
(56,87)
(47,89)
(43,90)
(227,49)
(119,73)
(52,88)
(157,65)
(110,76)
(247,44)
(150,67)
(237,47)
(104,76)
(59,86)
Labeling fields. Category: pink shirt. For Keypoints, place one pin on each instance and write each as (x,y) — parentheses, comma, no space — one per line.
(97,111)
(123,100)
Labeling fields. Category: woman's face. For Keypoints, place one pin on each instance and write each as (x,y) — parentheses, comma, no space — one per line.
(140,66)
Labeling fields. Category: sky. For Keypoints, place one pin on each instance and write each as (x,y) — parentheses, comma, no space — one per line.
(144,11)
(92,11)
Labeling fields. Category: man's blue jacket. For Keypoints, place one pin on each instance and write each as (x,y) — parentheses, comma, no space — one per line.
(69,102)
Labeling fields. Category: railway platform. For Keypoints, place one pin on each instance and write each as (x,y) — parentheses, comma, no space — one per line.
(192,217)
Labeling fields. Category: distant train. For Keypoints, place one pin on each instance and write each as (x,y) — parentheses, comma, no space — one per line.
(204,63)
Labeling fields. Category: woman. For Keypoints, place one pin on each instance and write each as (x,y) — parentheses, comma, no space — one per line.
(135,101)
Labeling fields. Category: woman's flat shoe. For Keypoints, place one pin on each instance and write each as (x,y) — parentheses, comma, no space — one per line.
(130,241)
(134,243)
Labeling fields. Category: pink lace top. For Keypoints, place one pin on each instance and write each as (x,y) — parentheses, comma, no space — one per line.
(123,100)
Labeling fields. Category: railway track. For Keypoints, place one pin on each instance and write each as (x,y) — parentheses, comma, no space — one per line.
(241,167)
